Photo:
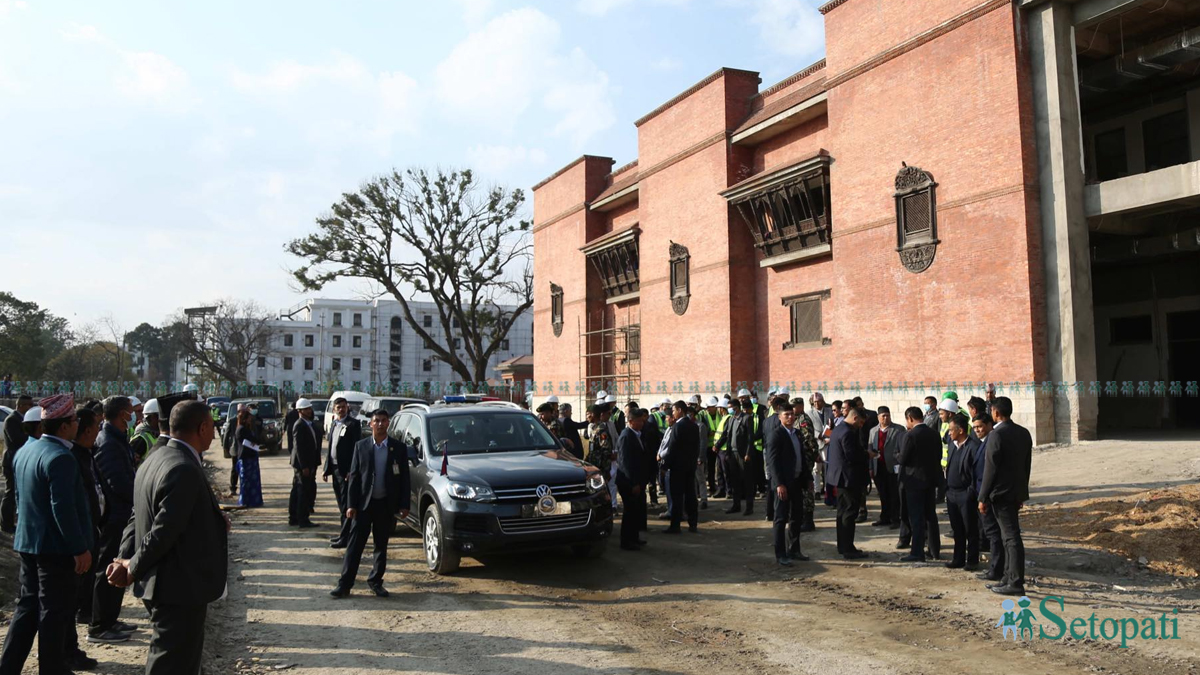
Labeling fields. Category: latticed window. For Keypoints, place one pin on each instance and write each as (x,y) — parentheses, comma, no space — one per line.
(916,208)
(556,308)
(787,210)
(807,329)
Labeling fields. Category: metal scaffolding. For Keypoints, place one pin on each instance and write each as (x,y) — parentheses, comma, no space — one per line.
(610,351)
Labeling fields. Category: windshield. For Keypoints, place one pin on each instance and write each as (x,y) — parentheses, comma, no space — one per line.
(393,405)
(266,409)
(319,407)
(477,432)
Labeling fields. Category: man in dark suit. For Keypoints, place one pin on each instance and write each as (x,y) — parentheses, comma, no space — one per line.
(962,502)
(377,490)
(681,455)
(81,449)
(114,466)
(632,471)
(989,529)
(870,421)
(920,461)
(175,548)
(289,423)
(305,458)
(344,433)
(53,538)
(1005,489)
(848,471)
(790,473)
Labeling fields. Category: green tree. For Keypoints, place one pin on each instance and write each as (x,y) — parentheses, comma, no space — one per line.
(441,234)
(161,347)
(29,337)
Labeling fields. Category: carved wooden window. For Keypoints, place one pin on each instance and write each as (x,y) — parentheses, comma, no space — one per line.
(807,329)
(615,258)
(916,218)
(556,308)
(680,281)
(788,210)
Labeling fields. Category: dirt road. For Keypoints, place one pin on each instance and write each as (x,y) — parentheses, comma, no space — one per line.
(713,602)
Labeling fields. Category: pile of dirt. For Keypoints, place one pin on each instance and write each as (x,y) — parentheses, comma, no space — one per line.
(1159,528)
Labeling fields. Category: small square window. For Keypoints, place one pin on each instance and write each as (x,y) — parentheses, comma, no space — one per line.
(458,343)
(287,363)
(308,363)
(427,365)
(336,364)
(308,340)
(504,345)
(262,362)
(356,364)
(337,318)
(337,340)
(356,341)
(805,320)
(288,340)
(427,321)
(357,320)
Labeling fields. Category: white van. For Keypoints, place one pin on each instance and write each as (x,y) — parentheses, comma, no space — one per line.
(354,398)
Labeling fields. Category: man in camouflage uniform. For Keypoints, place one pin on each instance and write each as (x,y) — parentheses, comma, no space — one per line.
(548,414)
(811,454)
(602,444)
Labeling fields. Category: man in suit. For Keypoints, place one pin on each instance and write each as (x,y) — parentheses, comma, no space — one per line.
(114,466)
(681,454)
(377,490)
(962,502)
(789,470)
(989,529)
(289,423)
(81,450)
(1005,489)
(883,442)
(175,547)
(920,462)
(344,433)
(14,438)
(305,458)
(848,471)
(53,538)
(631,479)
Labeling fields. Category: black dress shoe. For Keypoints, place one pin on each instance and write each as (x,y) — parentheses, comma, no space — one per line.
(748,512)
(719,495)
(336,537)
(808,527)
(971,567)
(856,555)
(308,524)
(954,565)
(378,590)
(642,542)
(733,509)
(797,555)
(894,526)
(693,529)
(1002,589)
(81,661)
(672,530)
(903,544)
(339,592)
(862,518)
(912,558)
(987,577)
(879,523)
(784,561)
(338,544)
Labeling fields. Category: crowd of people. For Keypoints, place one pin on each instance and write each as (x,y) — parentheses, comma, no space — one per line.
(99,497)
(788,453)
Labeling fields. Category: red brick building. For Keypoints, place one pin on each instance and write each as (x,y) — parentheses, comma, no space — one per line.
(938,200)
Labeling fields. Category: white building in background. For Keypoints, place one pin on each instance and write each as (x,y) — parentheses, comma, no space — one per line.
(363,343)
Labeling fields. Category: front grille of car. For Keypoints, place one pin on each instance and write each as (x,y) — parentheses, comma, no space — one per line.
(471,523)
(528,495)
(545,523)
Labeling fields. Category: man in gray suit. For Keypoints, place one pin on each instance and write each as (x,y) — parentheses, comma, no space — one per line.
(883,442)
(377,490)
(175,549)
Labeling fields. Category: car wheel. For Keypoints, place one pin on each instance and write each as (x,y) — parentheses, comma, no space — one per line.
(592,550)
(438,556)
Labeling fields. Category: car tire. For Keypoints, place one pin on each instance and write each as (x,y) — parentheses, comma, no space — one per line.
(439,557)
(592,550)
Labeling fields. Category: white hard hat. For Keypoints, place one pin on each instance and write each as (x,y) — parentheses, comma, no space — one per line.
(610,399)
(694,399)
(135,401)
(949,405)
(151,407)
(601,394)
(782,392)
(712,401)
(552,399)
(743,392)
(190,387)
(34,414)
(303,404)
(665,401)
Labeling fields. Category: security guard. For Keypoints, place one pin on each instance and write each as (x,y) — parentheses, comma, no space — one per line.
(146,433)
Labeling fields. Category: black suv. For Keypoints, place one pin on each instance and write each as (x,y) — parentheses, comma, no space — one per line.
(489,477)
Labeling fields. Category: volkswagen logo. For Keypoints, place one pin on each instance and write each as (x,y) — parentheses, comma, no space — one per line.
(543,491)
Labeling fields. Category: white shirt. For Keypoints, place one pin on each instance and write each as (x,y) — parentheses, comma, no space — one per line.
(186,445)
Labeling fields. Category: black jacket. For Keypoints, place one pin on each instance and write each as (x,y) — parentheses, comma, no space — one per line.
(570,431)
(920,458)
(960,467)
(86,471)
(114,466)
(341,446)
(1006,470)
(176,542)
(289,424)
(780,457)
(848,464)
(362,477)
(631,459)
(305,453)
(683,451)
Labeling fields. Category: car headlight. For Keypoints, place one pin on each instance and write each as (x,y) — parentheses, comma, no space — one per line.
(471,493)
(595,482)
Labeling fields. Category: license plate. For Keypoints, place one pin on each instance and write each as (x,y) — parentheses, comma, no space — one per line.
(532,511)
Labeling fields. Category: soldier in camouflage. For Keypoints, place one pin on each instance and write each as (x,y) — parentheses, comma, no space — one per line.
(812,454)
(548,414)
(601,442)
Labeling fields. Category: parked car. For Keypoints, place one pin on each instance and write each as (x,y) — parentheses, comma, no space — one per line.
(270,432)
(509,485)
(354,399)
(392,404)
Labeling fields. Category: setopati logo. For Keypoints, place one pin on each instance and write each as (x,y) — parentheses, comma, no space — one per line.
(1022,623)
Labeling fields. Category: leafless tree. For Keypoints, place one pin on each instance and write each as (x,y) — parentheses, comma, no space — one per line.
(226,341)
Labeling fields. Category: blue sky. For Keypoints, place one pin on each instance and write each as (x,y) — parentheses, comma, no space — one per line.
(147,140)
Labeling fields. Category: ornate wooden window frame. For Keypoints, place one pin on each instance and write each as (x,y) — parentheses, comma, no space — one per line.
(816,298)
(787,210)
(916,194)
(556,308)
(681,277)
(616,258)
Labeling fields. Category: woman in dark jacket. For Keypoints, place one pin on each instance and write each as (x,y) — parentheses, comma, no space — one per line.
(245,444)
